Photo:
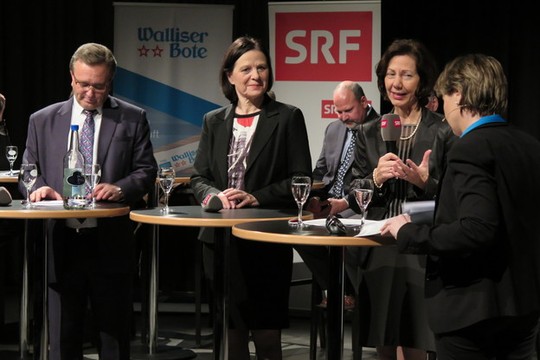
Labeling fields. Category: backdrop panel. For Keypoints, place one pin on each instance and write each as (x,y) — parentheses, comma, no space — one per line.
(169,57)
(316,45)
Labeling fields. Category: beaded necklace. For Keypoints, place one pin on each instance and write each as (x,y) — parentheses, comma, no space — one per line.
(415,129)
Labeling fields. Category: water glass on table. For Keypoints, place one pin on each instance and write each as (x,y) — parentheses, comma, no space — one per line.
(92,175)
(28,176)
(166,176)
(11,154)
(363,192)
(300,187)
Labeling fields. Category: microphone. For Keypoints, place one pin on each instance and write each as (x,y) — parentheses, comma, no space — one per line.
(212,203)
(391,131)
(5,196)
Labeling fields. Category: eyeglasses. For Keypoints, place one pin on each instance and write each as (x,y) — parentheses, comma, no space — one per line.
(86,86)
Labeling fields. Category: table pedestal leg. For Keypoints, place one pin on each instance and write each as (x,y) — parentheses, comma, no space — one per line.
(153,350)
(23,326)
(222,238)
(44,339)
(153,292)
(334,346)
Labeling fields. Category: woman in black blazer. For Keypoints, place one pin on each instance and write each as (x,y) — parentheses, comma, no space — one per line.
(482,275)
(248,153)
(390,300)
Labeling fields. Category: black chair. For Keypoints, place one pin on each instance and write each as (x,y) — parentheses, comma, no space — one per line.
(318,325)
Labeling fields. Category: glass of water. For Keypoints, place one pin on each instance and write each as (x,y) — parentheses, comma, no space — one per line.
(166,176)
(363,192)
(28,176)
(300,187)
(11,154)
(92,175)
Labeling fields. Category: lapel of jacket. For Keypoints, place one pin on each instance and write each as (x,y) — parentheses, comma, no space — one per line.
(59,146)
(268,121)
(63,121)
(223,135)
(338,146)
(429,119)
(371,132)
(109,121)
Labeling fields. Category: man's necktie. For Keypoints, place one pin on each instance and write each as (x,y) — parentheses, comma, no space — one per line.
(337,189)
(86,145)
(87,137)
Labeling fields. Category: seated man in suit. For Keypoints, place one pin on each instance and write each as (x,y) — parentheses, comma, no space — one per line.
(333,168)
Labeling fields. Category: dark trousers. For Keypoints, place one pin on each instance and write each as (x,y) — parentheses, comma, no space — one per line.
(81,291)
(508,338)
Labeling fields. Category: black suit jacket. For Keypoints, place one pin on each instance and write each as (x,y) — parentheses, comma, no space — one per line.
(432,134)
(279,150)
(126,157)
(484,248)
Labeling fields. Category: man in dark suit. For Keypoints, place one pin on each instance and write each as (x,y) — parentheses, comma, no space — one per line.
(482,286)
(93,261)
(353,110)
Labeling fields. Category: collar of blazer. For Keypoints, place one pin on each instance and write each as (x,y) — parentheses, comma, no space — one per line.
(268,121)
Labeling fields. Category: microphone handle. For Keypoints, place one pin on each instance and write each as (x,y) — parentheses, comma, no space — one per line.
(391,147)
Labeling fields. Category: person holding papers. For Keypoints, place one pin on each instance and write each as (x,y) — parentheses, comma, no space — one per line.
(482,273)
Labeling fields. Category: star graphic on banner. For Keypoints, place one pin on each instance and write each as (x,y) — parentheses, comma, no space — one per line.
(143,51)
(157,51)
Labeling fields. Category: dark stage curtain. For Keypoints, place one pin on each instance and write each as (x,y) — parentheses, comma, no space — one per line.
(38,38)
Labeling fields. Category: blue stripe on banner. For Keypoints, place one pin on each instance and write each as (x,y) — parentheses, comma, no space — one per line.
(169,100)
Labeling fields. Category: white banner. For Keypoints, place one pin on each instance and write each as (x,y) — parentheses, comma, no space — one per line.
(316,45)
(168,63)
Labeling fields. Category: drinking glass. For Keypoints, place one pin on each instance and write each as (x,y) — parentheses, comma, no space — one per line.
(28,176)
(300,186)
(11,155)
(363,192)
(166,177)
(92,175)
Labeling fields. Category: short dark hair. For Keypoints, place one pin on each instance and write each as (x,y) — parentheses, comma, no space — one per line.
(426,67)
(238,48)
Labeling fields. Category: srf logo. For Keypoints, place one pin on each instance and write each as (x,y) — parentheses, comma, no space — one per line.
(389,120)
(328,110)
(323,46)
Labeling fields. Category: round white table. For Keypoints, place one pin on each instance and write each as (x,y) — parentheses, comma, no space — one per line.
(279,231)
(222,221)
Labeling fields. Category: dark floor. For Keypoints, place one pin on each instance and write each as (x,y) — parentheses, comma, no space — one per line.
(176,324)
(176,340)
